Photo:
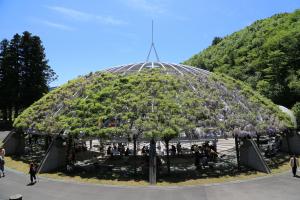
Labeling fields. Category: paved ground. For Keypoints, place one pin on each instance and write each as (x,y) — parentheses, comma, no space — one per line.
(281,186)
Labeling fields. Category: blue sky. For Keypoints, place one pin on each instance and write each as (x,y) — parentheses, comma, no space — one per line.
(83,36)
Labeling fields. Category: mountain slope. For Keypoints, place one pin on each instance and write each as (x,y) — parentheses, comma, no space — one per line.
(265,54)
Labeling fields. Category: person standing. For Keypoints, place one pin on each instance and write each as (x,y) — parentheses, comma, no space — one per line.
(294,164)
(2,152)
(178,148)
(2,161)
(2,166)
(32,172)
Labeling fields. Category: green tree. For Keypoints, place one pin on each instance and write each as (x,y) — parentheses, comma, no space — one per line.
(3,66)
(216,41)
(264,54)
(24,73)
(36,74)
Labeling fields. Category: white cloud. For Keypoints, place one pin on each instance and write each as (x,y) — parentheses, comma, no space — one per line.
(84,16)
(155,7)
(56,25)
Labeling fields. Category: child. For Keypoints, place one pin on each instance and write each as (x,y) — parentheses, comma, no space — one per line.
(32,172)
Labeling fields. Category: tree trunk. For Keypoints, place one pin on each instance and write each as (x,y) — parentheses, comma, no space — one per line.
(69,149)
(237,151)
(91,145)
(134,154)
(168,156)
(152,162)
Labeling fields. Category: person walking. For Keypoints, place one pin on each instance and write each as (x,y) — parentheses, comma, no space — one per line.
(294,164)
(32,172)
(2,166)
(2,161)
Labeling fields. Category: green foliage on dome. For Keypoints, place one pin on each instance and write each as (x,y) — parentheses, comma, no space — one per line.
(151,104)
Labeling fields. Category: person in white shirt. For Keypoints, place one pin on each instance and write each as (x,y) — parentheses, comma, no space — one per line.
(2,152)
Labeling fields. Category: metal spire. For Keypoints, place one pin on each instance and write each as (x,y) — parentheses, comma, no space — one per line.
(152,46)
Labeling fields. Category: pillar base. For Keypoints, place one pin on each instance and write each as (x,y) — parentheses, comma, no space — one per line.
(14,143)
(250,156)
(55,157)
(291,143)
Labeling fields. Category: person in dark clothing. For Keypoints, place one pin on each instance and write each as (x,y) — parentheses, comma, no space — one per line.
(178,148)
(197,158)
(294,164)
(109,151)
(173,150)
(32,172)
(127,152)
(144,150)
(2,166)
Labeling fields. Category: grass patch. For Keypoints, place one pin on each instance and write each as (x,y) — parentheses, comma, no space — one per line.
(173,180)
(16,164)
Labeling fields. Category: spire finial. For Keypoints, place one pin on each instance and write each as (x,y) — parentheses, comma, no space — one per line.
(152,31)
(152,46)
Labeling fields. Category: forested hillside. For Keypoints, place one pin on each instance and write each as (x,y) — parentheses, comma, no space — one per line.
(265,54)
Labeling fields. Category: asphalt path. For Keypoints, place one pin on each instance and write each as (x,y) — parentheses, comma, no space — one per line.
(282,186)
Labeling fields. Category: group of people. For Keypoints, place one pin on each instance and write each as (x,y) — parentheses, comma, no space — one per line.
(173,150)
(121,149)
(176,149)
(204,154)
(118,150)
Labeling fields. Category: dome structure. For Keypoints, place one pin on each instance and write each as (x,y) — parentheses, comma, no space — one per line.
(153,100)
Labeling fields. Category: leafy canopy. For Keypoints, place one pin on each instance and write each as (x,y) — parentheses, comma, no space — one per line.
(150,104)
(265,55)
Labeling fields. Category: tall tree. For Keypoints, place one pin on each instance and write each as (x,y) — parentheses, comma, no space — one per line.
(24,73)
(12,76)
(3,65)
(216,40)
(35,74)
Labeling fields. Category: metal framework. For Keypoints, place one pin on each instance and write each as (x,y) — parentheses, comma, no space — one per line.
(168,68)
